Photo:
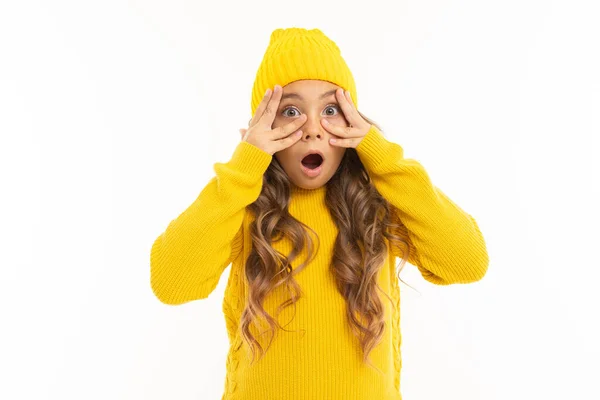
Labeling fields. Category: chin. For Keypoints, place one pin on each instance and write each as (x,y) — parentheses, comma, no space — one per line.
(310,184)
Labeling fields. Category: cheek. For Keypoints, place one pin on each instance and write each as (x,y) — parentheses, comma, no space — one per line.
(337,156)
(340,151)
(284,156)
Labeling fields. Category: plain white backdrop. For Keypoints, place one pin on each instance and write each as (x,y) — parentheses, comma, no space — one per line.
(113,113)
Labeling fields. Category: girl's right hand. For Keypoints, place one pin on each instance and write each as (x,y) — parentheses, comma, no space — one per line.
(260,132)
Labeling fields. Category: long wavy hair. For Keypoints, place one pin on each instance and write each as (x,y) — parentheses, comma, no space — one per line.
(363,218)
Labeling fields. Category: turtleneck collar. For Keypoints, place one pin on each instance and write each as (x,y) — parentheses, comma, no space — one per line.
(301,193)
(307,204)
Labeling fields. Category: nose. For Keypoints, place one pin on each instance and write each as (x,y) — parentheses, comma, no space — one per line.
(313,130)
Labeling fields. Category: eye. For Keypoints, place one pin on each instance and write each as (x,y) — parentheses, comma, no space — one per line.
(289,108)
(296,110)
(332,106)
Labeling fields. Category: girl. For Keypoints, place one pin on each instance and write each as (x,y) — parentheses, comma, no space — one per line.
(311,211)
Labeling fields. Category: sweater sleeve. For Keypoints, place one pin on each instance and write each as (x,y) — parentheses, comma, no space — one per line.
(188,258)
(402,231)
(445,242)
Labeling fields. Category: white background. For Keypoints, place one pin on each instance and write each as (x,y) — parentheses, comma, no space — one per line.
(113,113)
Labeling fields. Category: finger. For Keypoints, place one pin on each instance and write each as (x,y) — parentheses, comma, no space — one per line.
(351,142)
(286,142)
(243,132)
(337,130)
(349,97)
(348,108)
(268,115)
(285,130)
(261,108)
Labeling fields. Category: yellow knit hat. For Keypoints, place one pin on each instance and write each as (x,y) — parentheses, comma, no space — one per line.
(297,53)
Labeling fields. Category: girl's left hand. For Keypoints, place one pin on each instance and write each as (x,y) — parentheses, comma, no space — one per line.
(350,136)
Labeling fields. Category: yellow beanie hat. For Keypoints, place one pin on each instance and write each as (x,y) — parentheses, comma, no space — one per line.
(297,53)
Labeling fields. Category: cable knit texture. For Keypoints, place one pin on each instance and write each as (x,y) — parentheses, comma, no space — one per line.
(319,357)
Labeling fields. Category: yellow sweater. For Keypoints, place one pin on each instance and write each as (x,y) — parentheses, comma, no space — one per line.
(319,358)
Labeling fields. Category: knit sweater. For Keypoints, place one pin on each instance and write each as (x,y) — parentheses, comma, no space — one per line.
(317,357)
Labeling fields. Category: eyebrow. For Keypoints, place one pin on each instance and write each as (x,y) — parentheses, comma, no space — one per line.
(297,96)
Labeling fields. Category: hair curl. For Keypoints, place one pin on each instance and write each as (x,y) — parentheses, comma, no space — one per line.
(363,218)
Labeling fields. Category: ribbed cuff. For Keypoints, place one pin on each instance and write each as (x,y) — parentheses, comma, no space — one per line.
(374,149)
(250,159)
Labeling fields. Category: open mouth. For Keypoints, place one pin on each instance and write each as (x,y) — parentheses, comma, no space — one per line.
(312,161)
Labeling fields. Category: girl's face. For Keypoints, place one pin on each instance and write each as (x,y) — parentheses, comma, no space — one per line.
(317,100)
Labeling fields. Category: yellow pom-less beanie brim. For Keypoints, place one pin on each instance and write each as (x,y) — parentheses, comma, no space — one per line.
(296,53)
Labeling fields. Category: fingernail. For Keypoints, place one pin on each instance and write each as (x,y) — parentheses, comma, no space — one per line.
(332,140)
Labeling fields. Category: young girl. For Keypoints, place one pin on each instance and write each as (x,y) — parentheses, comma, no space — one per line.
(311,212)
